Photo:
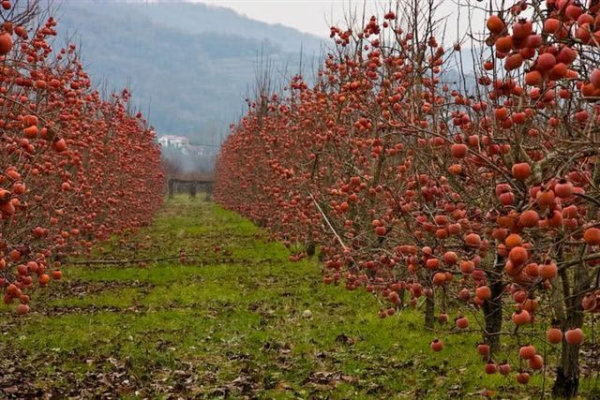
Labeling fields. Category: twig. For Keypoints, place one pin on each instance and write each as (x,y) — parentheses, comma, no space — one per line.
(328,223)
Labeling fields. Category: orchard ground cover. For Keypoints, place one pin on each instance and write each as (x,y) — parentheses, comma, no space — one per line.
(231,317)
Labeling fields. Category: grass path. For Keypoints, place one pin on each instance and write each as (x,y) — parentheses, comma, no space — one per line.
(241,322)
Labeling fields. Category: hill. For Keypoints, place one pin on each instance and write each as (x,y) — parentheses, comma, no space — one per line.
(190,66)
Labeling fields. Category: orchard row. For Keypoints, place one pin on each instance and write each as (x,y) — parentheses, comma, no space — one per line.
(473,194)
(75,168)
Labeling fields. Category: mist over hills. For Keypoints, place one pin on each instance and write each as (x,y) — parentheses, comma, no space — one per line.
(189,65)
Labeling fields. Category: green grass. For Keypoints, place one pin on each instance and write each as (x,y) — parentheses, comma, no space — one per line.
(226,324)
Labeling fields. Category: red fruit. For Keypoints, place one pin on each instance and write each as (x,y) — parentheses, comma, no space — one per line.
(437,345)
(536,362)
(439,278)
(522,29)
(595,78)
(589,302)
(504,44)
(495,24)
(548,270)
(473,240)
(380,231)
(513,240)
(523,378)
(573,11)
(22,309)
(490,368)
(504,368)
(566,55)
(432,263)
(529,219)
(592,236)
(545,62)
(501,113)
(559,71)
(462,323)
(458,150)
(551,25)
(450,258)
(31,131)
(467,267)
(526,352)
(554,335)
(513,61)
(44,279)
(483,292)
(574,336)
(521,171)
(518,256)
(483,349)
(13,291)
(60,145)
(563,189)
(521,317)
(533,78)
(545,198)
(507,198)
(56,275)
(6,43)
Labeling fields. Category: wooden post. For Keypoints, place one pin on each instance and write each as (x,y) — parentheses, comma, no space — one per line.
(171,182)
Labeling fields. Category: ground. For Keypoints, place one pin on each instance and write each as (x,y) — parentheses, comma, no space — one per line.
(230,318)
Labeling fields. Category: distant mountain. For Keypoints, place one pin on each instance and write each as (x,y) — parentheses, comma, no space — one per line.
(190,65)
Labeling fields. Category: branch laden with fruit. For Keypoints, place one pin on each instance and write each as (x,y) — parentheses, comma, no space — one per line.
(75,168)
(481,196)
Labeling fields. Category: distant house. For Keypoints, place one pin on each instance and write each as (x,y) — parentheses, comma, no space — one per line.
(174,141)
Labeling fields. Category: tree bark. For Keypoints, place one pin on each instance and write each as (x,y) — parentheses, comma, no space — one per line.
(492,308)
(429,312)
(566,383)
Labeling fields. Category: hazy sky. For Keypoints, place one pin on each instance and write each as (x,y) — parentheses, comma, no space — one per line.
(314,16)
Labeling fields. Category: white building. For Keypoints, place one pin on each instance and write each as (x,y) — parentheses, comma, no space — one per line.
(174,141)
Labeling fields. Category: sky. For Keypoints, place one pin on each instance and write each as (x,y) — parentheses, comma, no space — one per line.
(315,16)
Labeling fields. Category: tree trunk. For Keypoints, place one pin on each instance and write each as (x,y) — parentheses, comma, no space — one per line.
(566,384)
(492,308)
(429,312)
(171,183)
(492,312)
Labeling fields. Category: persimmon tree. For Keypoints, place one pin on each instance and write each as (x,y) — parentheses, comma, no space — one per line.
(75,168)
(478,195)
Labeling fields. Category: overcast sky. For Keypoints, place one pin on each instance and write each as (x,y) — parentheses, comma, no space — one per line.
(314,16)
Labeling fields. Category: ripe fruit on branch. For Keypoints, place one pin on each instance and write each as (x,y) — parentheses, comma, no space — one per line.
(574,336)
(483,349)
(521,317)
(592,236)
(533,78)
(473,240)
(462,323)
(523,378)
(518,255)
(504,368)
(495,24)
(554,335)
(6,43)
(490,368)
(459,150)
(536,362)
(526,352)
(483,292)
(521,171)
